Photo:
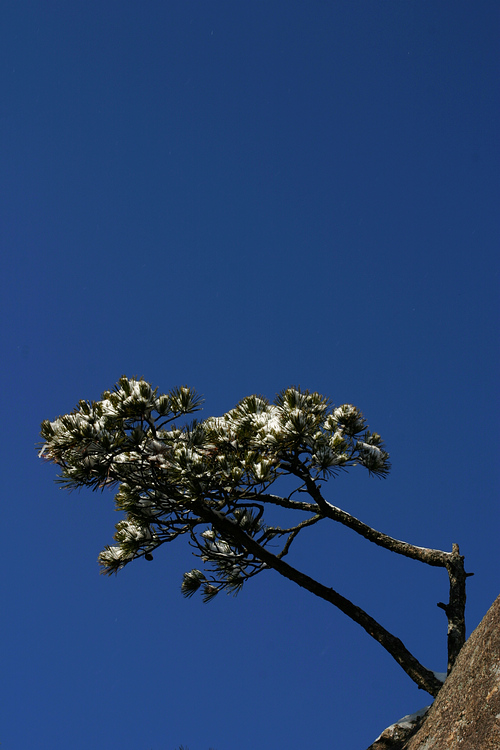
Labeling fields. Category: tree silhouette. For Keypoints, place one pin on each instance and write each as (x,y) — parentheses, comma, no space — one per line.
(212,482)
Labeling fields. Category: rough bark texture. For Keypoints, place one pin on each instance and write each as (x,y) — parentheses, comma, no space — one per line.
(466,712)
(425,679)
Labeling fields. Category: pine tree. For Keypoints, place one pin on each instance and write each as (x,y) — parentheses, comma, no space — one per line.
(213,480)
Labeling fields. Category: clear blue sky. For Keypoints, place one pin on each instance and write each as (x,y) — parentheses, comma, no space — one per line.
(242,196)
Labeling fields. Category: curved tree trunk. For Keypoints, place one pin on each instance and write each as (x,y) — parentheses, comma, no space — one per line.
(466,712)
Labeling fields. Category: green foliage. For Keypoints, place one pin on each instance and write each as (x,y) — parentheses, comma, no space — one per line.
(216,482)
(178,479)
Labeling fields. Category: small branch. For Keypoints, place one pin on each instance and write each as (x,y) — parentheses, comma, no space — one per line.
(434,557)
(285,502)
(294,532)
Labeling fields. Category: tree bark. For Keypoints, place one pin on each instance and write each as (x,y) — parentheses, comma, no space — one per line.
(424,678)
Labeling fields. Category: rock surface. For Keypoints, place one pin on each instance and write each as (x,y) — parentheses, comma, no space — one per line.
(466,712)
(395,736)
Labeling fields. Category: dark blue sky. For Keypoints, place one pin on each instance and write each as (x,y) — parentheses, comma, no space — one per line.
(241,197)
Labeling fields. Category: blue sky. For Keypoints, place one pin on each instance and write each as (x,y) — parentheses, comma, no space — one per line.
(241,197)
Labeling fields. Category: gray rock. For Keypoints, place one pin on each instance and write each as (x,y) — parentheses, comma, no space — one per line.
(466,712)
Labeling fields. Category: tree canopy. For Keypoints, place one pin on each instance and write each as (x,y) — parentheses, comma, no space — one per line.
(214,480)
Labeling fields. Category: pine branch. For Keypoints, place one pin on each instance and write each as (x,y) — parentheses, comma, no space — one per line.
(452,561)
(424,678)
